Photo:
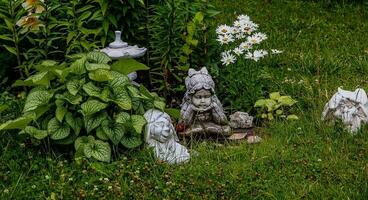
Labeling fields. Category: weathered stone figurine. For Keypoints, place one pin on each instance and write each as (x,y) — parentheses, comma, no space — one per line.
(201,110)
(161,136)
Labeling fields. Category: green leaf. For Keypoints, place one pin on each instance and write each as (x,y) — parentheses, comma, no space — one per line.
(99,150)
(138,122)
(270,116)
(128,65)
(60,113)
(122,118)
(275,96)
(159,105)
(279,112)
(75,100)
(95,66)
(10,49)
(41,78)
(80,142)
(19,123)
(131,141)
(115,131)
(93,121)
(35,132)
(260,103)
(74,86)
(91,107)
(38,112)
(57,130)
(286,100)
(100,75)
(37,98)
(101,134)
(270,104)
(98,57)
(68,140)
(78,66)
(123,100)
(175,113)
(75,122)
(292,117)
(145,92)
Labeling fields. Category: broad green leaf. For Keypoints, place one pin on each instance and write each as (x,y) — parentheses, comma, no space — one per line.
(260,103)
(128,65)
(123,100)
(95,66)
(60,113)
(19,123)
(10,49)
(80,142)
(159,105)
(74,86)
(145,92)
(95,91)
(279,112)
(292,117)
(37,98)
(98,57)
(101,134)
(75,122)
(38,112)
(138,122)
(75,100)
(58,130)
(122,118)
(41,78)
(270,116)
(270,104)
(92,106)
(93,121)
(35,132)
(134,92)
(3,108)
(99,150)
(115,131)
(275,96)
(175,113)
(78,66)
(100,75)
(61,73)
(286,100)
(131,141)
(68,140)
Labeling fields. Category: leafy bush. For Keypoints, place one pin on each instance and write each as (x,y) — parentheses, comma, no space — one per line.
(276,106)
(85,102)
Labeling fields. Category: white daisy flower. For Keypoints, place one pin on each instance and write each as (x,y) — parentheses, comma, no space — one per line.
(256,38)
(244,18)
(248,28)
(276,51)
(225,39)
(240,36)
(237,24)
(238,51)
(227,58)
(256,55)
(224,30)
(245,46)
(261,36)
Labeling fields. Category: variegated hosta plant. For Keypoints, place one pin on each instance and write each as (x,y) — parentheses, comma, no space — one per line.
(86,102)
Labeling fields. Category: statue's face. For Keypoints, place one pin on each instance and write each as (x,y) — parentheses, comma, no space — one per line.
(161,131)
(202,99)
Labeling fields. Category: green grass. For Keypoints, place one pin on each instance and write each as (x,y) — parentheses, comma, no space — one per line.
(304,159)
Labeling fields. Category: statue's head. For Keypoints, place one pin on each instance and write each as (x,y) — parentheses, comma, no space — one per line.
(200,88)
(159,127)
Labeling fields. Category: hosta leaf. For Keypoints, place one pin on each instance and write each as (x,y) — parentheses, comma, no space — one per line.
(35,132)
(37,98)
(119,80)
(275,95)
(131,141)
(58,130)
(145,92)
(115,131)
(74,86)
(68,140)
(99,150)
(98,57)
(101,134)
(128,65)
(292,117)
(138,122)
(95,66)
(100,75)
(41,78)
(60,113)
(159,104)
(95,91)
(75,122)
(75,100)
(92,106)
(122,118)
(93,121)
(80,142)
(19,123)
(38,112)
(123,100)
(260,103)
(286,100)
(78,66)
(61,73)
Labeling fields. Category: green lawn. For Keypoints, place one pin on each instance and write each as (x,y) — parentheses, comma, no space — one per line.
(325,45)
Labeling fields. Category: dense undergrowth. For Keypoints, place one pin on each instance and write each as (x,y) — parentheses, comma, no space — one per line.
(325,46)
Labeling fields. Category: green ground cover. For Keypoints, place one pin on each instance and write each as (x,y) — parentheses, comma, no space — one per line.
(325,46)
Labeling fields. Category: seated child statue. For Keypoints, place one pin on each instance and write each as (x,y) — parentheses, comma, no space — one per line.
(201,110)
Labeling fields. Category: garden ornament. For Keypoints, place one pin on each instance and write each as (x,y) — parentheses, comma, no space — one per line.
(201,110)
(350,107)
(242,126)
(161,136)
(119,49)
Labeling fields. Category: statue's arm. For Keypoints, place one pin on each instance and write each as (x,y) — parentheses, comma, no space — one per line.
(186,114)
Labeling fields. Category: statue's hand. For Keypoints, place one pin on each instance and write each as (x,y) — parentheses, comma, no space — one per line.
(202,109)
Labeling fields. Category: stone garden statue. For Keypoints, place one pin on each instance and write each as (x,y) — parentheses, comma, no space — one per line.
(350,107)
(201,110)
(161,136)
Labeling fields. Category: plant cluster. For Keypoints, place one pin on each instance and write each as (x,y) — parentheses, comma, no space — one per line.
(276,106)
(86,102)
